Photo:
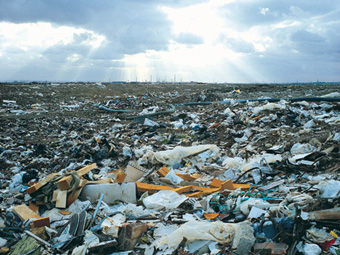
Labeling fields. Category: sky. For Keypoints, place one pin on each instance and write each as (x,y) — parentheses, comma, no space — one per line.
(234,41)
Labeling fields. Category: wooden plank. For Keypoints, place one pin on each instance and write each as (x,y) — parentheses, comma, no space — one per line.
(61,199)
(151,188)
(24,212)
(38,185)
(216,183)
(65,183)
(184,189)
(73,196)
(197,194)
(34,207)
(55,195)
(163,171)
(328,214)
(244,187)
(186,177)
(41,222)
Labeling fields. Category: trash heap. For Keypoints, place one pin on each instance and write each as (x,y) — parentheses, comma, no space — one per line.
(155,175)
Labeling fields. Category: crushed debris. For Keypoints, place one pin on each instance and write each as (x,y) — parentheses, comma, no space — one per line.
(169,169)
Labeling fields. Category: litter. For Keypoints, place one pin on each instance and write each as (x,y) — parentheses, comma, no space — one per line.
(225,173)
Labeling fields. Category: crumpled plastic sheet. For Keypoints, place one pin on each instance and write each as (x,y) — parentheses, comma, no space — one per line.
(193,230)
(164,199)
(170,157)
(329,189)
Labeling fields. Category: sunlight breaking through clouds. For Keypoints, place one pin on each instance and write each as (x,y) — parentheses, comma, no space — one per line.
(203,40)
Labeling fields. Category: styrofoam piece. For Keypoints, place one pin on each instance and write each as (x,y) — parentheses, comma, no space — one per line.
(125,192)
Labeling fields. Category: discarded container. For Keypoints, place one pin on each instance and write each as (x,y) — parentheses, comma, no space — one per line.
(113,192)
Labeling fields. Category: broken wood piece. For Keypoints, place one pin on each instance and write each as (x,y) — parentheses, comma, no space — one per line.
(55,195)
(65,212)
(41,222)
(33,206)
(120,177)
(38,185)
(72,196)
(151,188)
(25,213)
(196,191)
(216,183)
(163,171)
(66,182)
(328,214)
(61,199)
(186,177)
(211,216)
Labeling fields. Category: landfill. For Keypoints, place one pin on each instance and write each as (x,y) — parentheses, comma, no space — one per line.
(169,168)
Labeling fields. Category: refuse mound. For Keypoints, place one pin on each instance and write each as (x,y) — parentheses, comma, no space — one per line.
(96,168)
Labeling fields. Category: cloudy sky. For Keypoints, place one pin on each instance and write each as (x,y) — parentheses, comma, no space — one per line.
(182,40)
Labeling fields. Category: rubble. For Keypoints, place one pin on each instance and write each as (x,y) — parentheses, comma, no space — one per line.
(177,169)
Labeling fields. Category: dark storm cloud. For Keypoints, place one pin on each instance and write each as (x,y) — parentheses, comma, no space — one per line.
(129,26)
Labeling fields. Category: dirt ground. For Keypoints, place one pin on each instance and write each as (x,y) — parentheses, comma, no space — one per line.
(47,107)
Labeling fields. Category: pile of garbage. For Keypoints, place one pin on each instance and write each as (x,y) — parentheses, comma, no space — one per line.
(237,176)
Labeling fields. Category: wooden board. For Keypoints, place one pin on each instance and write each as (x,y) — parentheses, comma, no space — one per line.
(38,185)
(25,213)
(120,177)
(61,200)
(34,207)
(41,222)
(186,177)
(163,171)
(73,197)
(216,183)
(150,188)
(65,183)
